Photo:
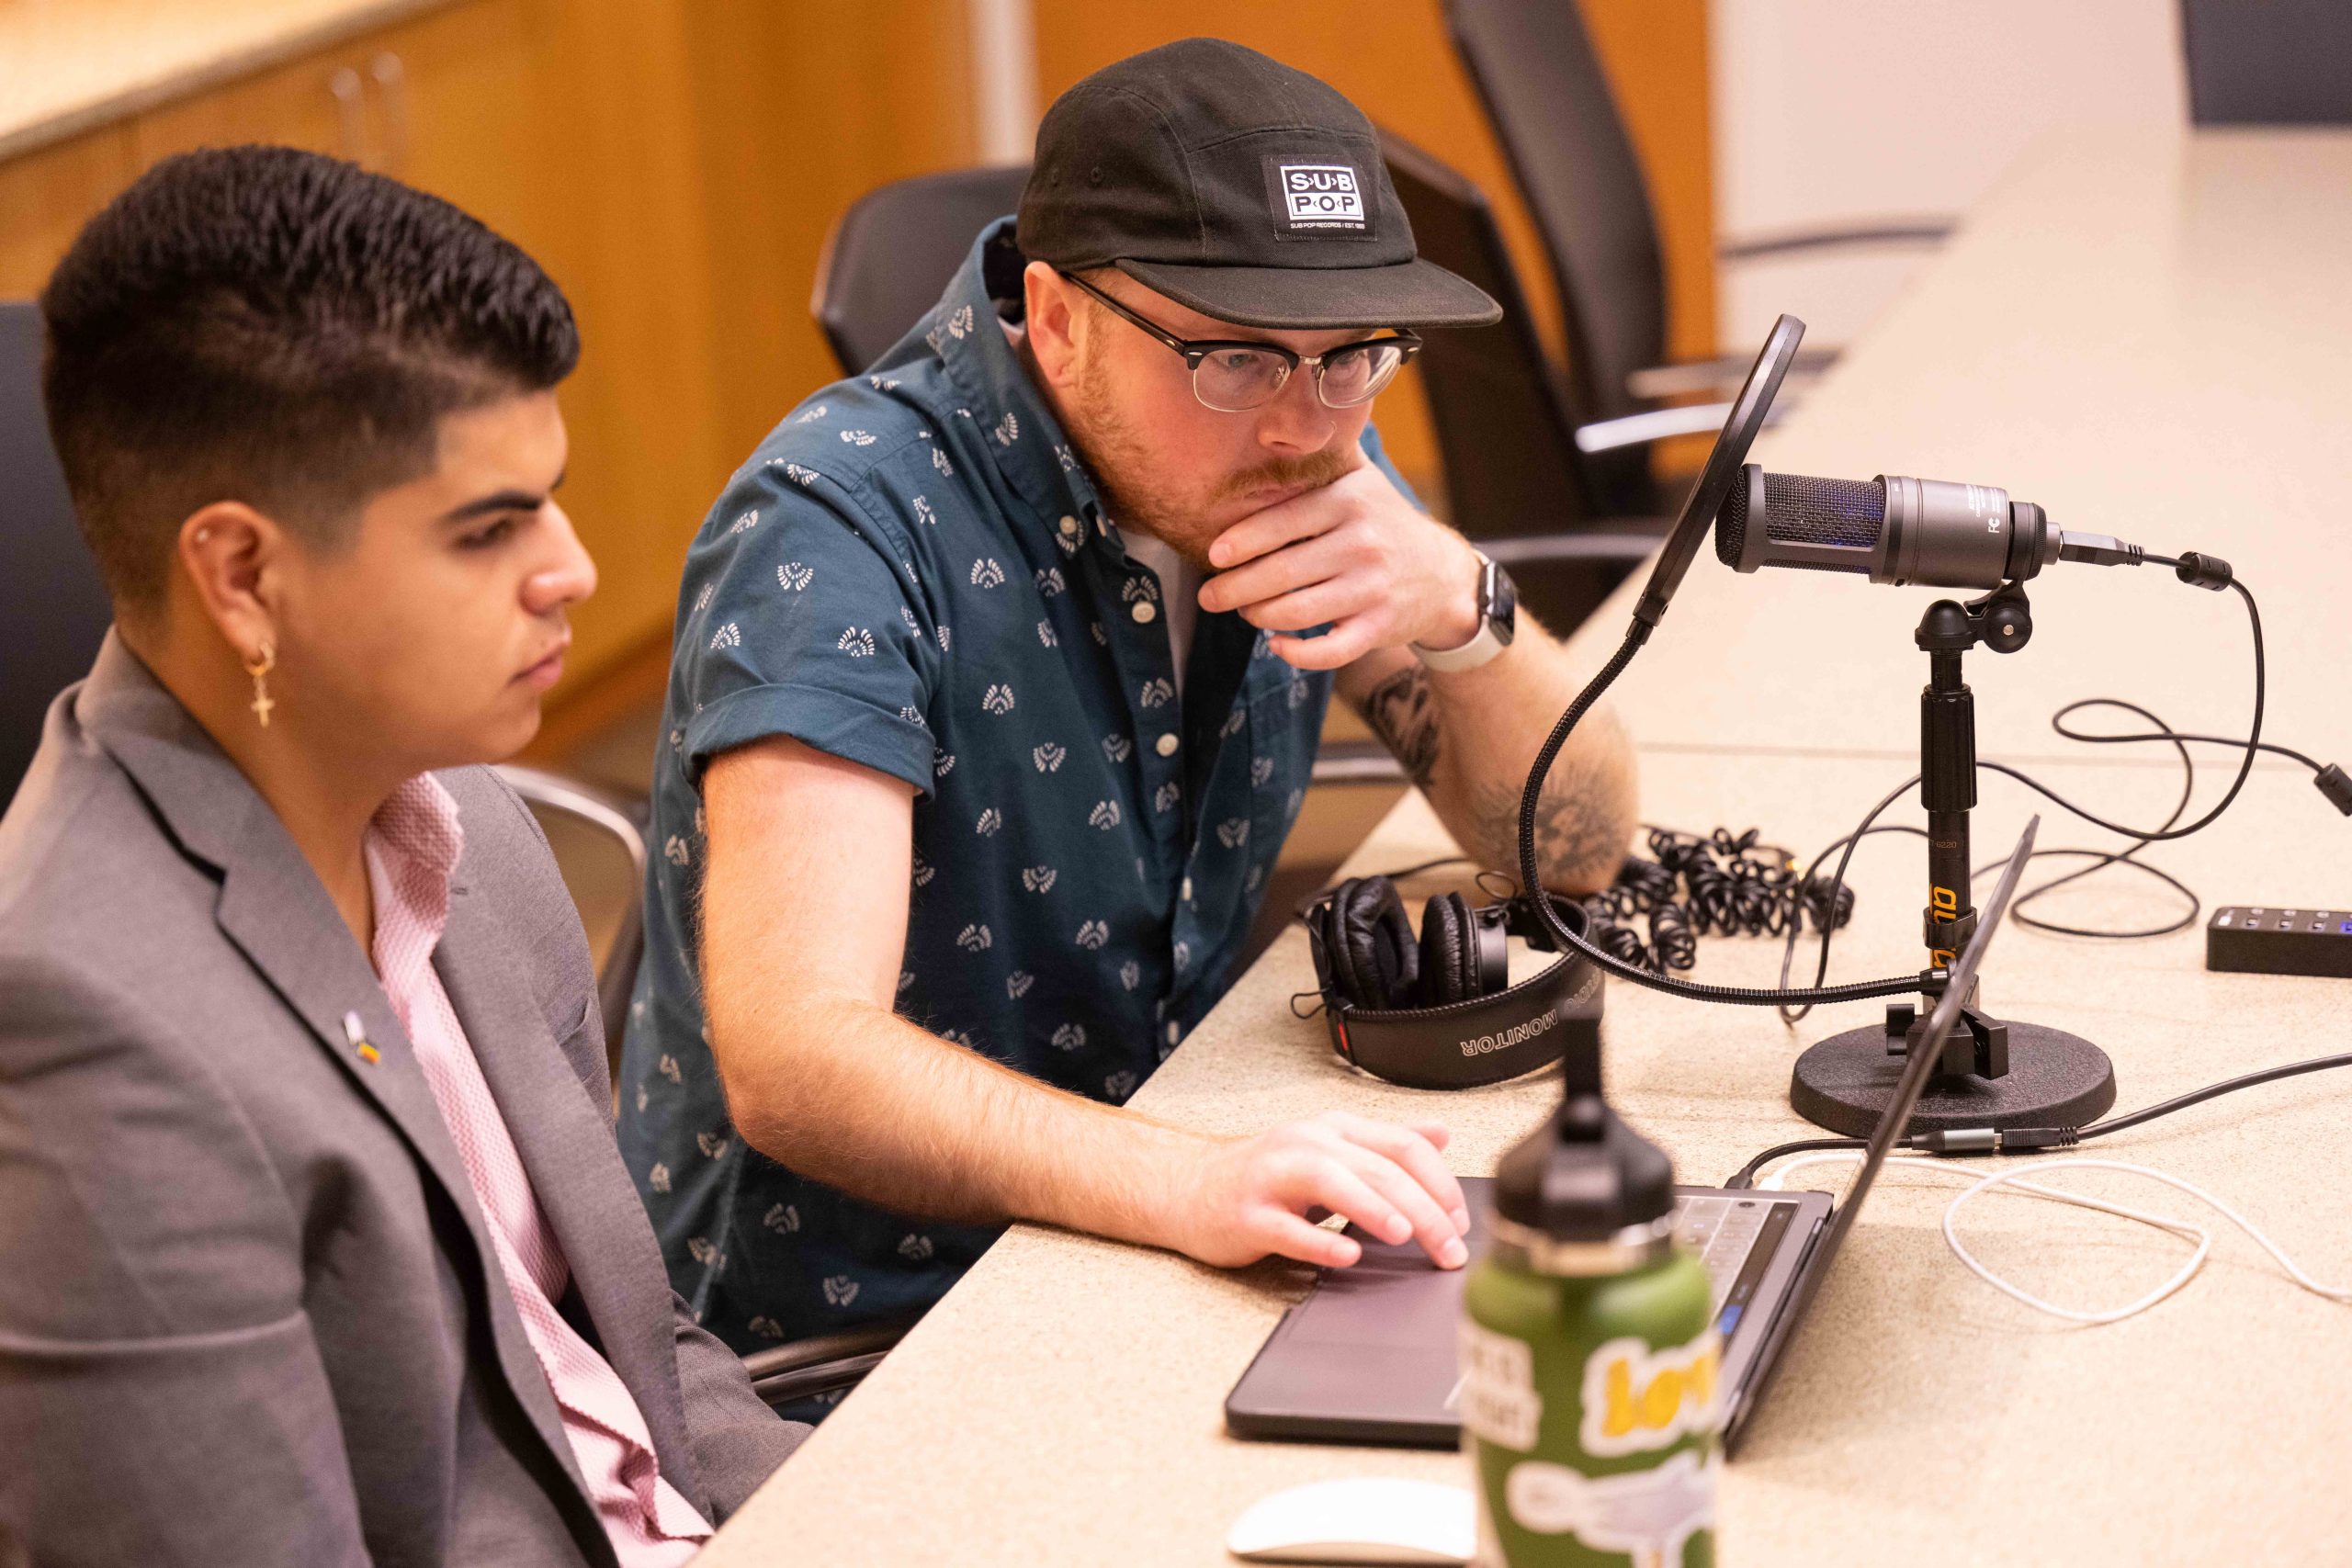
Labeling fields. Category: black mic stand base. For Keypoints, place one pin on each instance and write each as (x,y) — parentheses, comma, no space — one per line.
(2052,1079)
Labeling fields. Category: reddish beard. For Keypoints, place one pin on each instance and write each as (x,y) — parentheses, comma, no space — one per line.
(1107,443)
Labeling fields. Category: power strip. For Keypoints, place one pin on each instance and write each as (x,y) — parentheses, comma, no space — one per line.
(2255,940)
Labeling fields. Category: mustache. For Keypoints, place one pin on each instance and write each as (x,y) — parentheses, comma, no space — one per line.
(1311,472)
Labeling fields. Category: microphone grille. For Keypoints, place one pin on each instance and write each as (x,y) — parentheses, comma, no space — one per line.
(1802,510)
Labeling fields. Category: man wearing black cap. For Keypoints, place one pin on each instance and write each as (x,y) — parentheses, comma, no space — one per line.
(999,675)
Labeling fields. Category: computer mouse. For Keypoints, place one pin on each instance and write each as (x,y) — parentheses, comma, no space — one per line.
(1371,1519)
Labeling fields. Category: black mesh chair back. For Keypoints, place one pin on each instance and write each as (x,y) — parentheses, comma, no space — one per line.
(1513,472)
(1534,67)
(1503,427)
(2268,62)
(53,609)
(889,257)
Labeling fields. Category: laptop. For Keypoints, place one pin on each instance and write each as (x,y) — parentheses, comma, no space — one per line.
(1369,1356)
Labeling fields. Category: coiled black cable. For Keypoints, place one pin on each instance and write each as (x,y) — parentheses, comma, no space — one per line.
(1723,883)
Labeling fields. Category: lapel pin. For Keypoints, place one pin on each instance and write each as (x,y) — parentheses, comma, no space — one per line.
(358,1038)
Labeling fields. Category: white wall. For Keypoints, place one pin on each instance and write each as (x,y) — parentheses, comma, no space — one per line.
(1837,110)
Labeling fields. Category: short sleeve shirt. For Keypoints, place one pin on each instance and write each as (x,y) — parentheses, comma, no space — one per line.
(914,572)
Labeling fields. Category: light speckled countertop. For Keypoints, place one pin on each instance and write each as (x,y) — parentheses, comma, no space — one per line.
(69,65)
(2150,339)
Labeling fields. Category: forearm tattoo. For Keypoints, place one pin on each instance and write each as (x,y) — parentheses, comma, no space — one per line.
(1580,839)
(1402,712)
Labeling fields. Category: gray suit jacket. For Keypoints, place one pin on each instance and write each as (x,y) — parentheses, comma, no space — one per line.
(247,1308)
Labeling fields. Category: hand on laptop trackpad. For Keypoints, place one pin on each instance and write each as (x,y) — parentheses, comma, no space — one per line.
(1372,1519)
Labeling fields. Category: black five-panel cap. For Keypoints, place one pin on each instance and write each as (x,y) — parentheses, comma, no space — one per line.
(1238,186)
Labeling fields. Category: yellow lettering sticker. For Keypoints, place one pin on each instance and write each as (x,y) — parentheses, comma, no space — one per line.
(1635,1400)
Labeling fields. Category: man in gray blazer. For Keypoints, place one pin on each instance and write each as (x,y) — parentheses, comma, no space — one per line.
(252,1306)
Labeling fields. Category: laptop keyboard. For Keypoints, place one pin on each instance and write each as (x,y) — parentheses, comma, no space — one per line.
(1722,1232)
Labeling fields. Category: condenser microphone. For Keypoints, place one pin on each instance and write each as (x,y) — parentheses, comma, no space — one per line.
(1890,528)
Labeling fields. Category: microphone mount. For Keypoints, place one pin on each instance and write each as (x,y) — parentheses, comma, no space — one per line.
(2055,1078)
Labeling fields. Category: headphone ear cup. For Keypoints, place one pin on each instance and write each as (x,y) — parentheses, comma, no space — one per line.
(1373,958)
(1448,962)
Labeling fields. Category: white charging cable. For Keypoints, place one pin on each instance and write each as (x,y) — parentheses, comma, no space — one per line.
(2015,1178)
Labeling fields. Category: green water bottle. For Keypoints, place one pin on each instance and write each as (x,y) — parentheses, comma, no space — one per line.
(1589,1356)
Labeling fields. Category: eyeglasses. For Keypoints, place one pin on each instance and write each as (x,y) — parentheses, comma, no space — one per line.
(1233,375)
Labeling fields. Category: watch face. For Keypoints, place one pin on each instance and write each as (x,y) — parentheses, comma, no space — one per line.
(1502,609)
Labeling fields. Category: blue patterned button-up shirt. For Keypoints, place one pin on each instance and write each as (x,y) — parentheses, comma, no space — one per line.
(914,573)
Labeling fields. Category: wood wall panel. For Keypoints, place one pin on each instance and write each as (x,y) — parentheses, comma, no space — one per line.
(46,197)
(675,164)
(800,110)
(1393,59)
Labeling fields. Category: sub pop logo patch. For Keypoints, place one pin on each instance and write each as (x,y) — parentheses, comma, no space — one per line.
(1318,199)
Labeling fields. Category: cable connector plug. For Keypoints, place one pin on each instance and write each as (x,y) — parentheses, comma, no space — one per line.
(2202,570)
(2335,783)
(1949,1142)
(2098,549)
(2022,1139)
(1956,1142)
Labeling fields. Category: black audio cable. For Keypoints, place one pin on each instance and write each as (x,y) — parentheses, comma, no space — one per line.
(2204,571)
(1959,1143)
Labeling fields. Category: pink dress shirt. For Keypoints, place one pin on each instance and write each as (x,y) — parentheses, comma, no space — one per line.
(411,849)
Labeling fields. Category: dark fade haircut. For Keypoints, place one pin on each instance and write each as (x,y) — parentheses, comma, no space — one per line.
(270,326)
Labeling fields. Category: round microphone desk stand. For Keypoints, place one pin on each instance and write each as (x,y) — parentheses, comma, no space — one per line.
(1995,1073)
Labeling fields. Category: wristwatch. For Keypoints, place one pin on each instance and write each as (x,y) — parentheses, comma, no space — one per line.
(1497,622)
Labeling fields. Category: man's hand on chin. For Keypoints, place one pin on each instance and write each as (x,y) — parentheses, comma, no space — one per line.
(1356,554)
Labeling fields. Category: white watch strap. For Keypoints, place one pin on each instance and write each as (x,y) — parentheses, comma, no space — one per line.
(1479,648)
(1469,656)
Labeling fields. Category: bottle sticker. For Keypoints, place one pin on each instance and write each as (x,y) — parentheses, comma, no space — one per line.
(1650,1514)
(1635,1401)
(1499,1399)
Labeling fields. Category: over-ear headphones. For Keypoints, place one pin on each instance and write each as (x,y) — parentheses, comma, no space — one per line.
(1376,960)
(1437,1010)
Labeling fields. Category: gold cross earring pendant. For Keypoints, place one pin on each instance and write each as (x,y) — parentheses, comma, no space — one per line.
(259,669)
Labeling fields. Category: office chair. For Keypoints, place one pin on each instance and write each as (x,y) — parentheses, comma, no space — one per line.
(621,821)
(1516,480)
(1534,68)
(825,1363)
(2267,62)
(53,608)
(891,253)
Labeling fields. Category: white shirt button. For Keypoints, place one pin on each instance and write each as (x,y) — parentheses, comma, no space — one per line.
(1070,527)
(1188,890)
(1145,612)
(1174,1034)
(1166,745)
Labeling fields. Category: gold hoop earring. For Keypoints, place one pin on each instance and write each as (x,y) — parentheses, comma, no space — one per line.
(259,669)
